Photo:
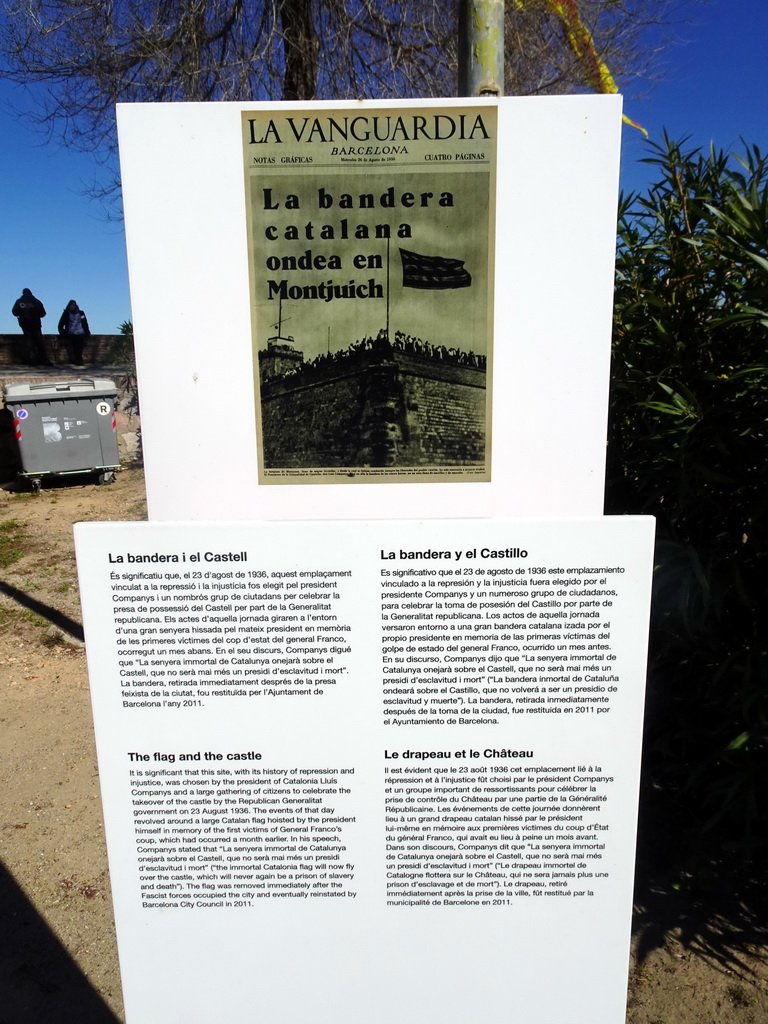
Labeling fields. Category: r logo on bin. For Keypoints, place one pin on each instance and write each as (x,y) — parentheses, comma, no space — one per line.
(103,408)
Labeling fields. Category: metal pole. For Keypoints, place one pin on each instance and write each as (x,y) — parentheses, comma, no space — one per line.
(481,47)
(387,287)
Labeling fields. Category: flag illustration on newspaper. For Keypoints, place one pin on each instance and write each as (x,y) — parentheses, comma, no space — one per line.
(433,272)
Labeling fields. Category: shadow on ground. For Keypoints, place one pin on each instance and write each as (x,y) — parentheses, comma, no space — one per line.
(699,887)
(39,980)
(45,611)
(729,930)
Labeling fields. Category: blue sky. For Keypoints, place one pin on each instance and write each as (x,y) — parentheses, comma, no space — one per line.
(712,85)
(60,244)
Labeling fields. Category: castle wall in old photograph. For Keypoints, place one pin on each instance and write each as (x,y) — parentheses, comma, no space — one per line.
(375,405)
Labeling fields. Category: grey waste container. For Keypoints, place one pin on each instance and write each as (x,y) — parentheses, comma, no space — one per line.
(65,427)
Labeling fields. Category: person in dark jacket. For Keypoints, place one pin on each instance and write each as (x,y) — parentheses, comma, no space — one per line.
(73,326)
(29,311)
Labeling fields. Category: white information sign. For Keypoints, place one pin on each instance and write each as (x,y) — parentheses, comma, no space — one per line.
(370,771)
(386,304)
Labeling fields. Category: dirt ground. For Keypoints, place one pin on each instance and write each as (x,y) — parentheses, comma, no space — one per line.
(699,955)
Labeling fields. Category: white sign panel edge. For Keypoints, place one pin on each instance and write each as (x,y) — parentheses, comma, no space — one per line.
(557,181)
(349,959)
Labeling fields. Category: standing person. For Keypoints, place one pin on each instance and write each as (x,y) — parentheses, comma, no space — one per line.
(73,326)
(29,311)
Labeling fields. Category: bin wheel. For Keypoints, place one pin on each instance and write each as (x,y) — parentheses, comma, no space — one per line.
(35,484)
(107,477)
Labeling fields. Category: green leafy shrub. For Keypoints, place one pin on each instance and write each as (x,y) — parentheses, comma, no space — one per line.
(121,348)
(128,384)
(687,444)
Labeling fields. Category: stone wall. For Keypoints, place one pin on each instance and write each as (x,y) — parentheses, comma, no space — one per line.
(447,427)
(13,351)
(375,408)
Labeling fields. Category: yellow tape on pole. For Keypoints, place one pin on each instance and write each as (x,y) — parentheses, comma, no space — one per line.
(580,40)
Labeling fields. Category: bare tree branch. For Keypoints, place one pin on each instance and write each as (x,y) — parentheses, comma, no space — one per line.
(83,56)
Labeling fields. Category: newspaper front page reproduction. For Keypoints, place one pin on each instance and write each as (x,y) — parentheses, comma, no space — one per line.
(371,266)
